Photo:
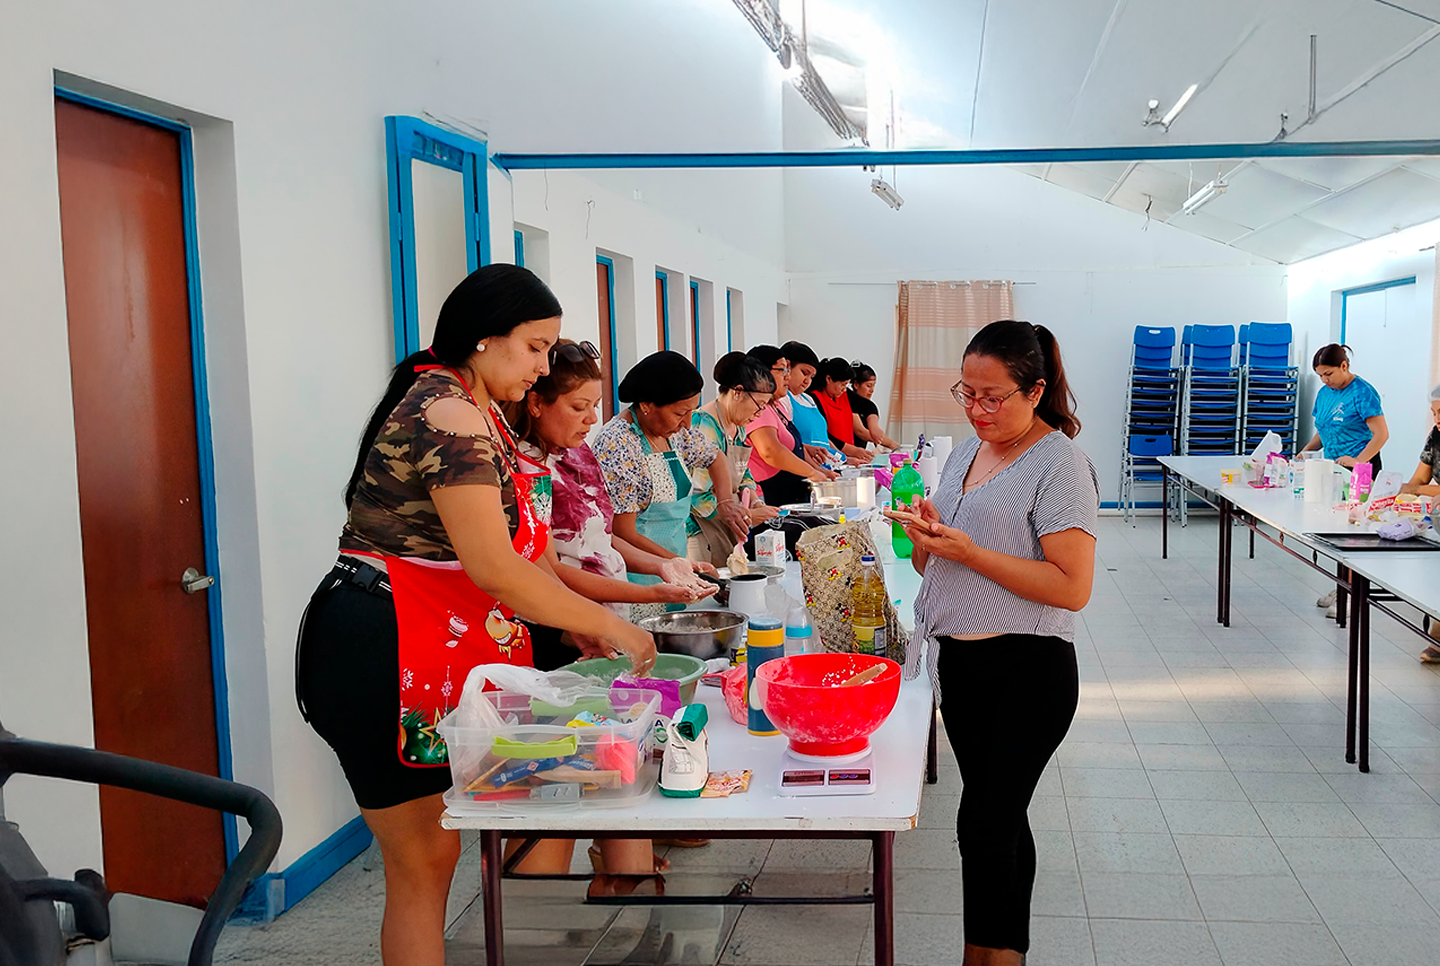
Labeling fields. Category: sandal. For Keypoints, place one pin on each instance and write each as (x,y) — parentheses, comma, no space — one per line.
(683,843)
(611,886)
(1431,655)
(597,861)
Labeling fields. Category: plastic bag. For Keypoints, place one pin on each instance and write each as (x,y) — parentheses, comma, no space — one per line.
(559,688)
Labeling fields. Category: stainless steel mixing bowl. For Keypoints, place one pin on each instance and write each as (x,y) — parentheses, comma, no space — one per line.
(699,633)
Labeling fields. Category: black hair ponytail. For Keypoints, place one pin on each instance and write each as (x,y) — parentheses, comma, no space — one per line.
(490,301)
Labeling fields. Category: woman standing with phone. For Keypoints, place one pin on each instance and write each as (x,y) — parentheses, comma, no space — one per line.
(1007,553)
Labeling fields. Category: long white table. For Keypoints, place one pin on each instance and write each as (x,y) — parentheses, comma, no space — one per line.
(904,759)
(1363,579)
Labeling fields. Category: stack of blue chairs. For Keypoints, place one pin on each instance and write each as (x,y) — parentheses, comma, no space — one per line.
(1152,406)
(1271,384)
(1211,404)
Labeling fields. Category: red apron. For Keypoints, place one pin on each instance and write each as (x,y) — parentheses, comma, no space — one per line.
(448,625)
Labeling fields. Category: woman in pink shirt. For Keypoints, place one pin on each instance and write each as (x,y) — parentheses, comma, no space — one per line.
(777,459)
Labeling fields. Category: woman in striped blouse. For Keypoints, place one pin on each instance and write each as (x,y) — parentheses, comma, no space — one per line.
(1007,550)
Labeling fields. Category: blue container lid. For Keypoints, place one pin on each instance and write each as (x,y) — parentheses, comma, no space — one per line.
(763,622)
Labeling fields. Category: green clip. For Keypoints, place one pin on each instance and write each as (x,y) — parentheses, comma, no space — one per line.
(692,721)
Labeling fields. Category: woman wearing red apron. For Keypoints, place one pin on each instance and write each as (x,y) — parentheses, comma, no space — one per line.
(444,543)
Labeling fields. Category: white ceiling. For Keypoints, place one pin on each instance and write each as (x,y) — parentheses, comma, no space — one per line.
(1061,73)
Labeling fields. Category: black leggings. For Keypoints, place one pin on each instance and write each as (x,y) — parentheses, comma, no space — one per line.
(1008,702)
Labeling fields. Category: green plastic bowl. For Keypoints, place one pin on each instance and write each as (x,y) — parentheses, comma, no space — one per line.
(668,667)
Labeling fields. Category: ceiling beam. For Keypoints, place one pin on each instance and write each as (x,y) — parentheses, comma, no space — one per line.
(861,157)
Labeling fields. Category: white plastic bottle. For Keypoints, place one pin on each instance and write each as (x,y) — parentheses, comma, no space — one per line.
(799,635)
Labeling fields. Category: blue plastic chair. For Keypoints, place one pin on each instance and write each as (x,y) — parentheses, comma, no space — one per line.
(1212,347)
(1244,342)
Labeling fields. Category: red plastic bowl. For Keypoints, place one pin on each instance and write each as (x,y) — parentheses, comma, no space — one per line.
(801,697)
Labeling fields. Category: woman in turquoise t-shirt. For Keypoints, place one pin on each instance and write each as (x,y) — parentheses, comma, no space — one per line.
(1349,422)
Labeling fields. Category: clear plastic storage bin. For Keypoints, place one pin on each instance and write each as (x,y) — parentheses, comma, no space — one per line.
(540,759)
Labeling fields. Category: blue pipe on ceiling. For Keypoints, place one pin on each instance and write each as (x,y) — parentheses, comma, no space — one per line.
(866,157)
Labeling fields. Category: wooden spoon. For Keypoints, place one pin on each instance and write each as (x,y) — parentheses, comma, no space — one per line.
(867,675)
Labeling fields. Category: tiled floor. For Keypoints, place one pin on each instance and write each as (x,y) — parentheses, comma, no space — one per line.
(1200,812)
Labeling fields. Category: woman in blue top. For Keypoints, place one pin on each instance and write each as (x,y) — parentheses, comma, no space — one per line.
(1348,419)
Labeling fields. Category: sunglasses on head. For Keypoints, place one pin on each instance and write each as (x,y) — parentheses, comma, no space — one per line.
(575,352)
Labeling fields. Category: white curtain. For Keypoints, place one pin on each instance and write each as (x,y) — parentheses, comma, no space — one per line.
(934,323)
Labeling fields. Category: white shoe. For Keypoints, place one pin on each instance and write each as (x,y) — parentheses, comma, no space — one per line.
(1327,601)
(686,765)
(1332,612)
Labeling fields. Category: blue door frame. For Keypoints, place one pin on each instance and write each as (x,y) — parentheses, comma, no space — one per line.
(695,319)
(664,278)
(411,139)
(1366,290)
(520,249)
(204,441)
(729,323)
(609,263)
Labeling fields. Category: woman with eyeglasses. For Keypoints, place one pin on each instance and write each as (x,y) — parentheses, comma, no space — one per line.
(551,424)
(745,389)
(444,542)
(862,403)
(648,452)
(831,395)
(777,457)
(1006,547)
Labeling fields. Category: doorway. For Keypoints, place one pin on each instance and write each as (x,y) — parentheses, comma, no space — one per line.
(144,493)
(1389,336)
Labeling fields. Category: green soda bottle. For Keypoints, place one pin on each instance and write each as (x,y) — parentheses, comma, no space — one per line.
(906,486)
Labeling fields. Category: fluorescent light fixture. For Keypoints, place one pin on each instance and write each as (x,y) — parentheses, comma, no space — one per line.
(887,194)
(1204,196)
(1174,112)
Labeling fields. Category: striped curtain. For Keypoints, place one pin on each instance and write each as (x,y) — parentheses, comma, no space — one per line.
(934,323)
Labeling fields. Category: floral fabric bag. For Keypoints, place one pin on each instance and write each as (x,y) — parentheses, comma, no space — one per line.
(829,562)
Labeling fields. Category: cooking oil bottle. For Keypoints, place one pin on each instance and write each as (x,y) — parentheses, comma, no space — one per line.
(867,609)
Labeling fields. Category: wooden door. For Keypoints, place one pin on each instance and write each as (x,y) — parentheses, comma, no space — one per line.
(605,299)
(141,526)
(662,334)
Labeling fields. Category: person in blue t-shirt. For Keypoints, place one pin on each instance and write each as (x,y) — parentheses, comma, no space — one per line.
(802,409)
(1349,422)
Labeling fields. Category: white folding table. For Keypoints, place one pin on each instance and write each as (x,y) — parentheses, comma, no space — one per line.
(904,758)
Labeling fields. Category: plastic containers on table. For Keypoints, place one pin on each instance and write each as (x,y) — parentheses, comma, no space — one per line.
(537,733)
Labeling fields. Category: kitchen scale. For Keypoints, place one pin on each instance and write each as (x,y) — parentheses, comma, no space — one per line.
(808,775)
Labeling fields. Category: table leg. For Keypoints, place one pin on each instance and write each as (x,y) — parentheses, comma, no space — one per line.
(1352,678)
(1252,543)
(1361,593)
(1227,542)
(1229,561)
(1164,512)
(1342,597)
(884,889)
(492,857)
(1220,563)
(932,751)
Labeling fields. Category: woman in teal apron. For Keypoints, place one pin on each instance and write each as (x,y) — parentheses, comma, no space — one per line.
(647,452)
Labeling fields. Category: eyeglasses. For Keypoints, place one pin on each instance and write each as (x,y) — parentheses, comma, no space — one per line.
(780,370)
(990,404)
(574,352)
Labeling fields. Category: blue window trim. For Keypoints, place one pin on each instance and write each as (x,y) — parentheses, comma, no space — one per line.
(409,139)
(729,322)
(664,278)
(519,248)
(203,439)
(609,263)
(695,319)
(1366,290)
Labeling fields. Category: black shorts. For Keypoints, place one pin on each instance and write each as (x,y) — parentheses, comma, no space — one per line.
(347,681)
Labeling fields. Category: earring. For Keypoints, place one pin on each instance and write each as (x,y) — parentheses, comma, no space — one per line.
(479,347)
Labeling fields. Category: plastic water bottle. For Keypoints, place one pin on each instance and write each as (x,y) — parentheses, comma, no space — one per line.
(906,486)
(799,635)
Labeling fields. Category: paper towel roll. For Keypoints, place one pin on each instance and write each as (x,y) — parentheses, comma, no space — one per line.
(942,446)
(929,474)
(1319,480)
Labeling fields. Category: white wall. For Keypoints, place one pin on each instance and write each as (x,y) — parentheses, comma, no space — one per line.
(1088,271)
(1314,310)
(289,100)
